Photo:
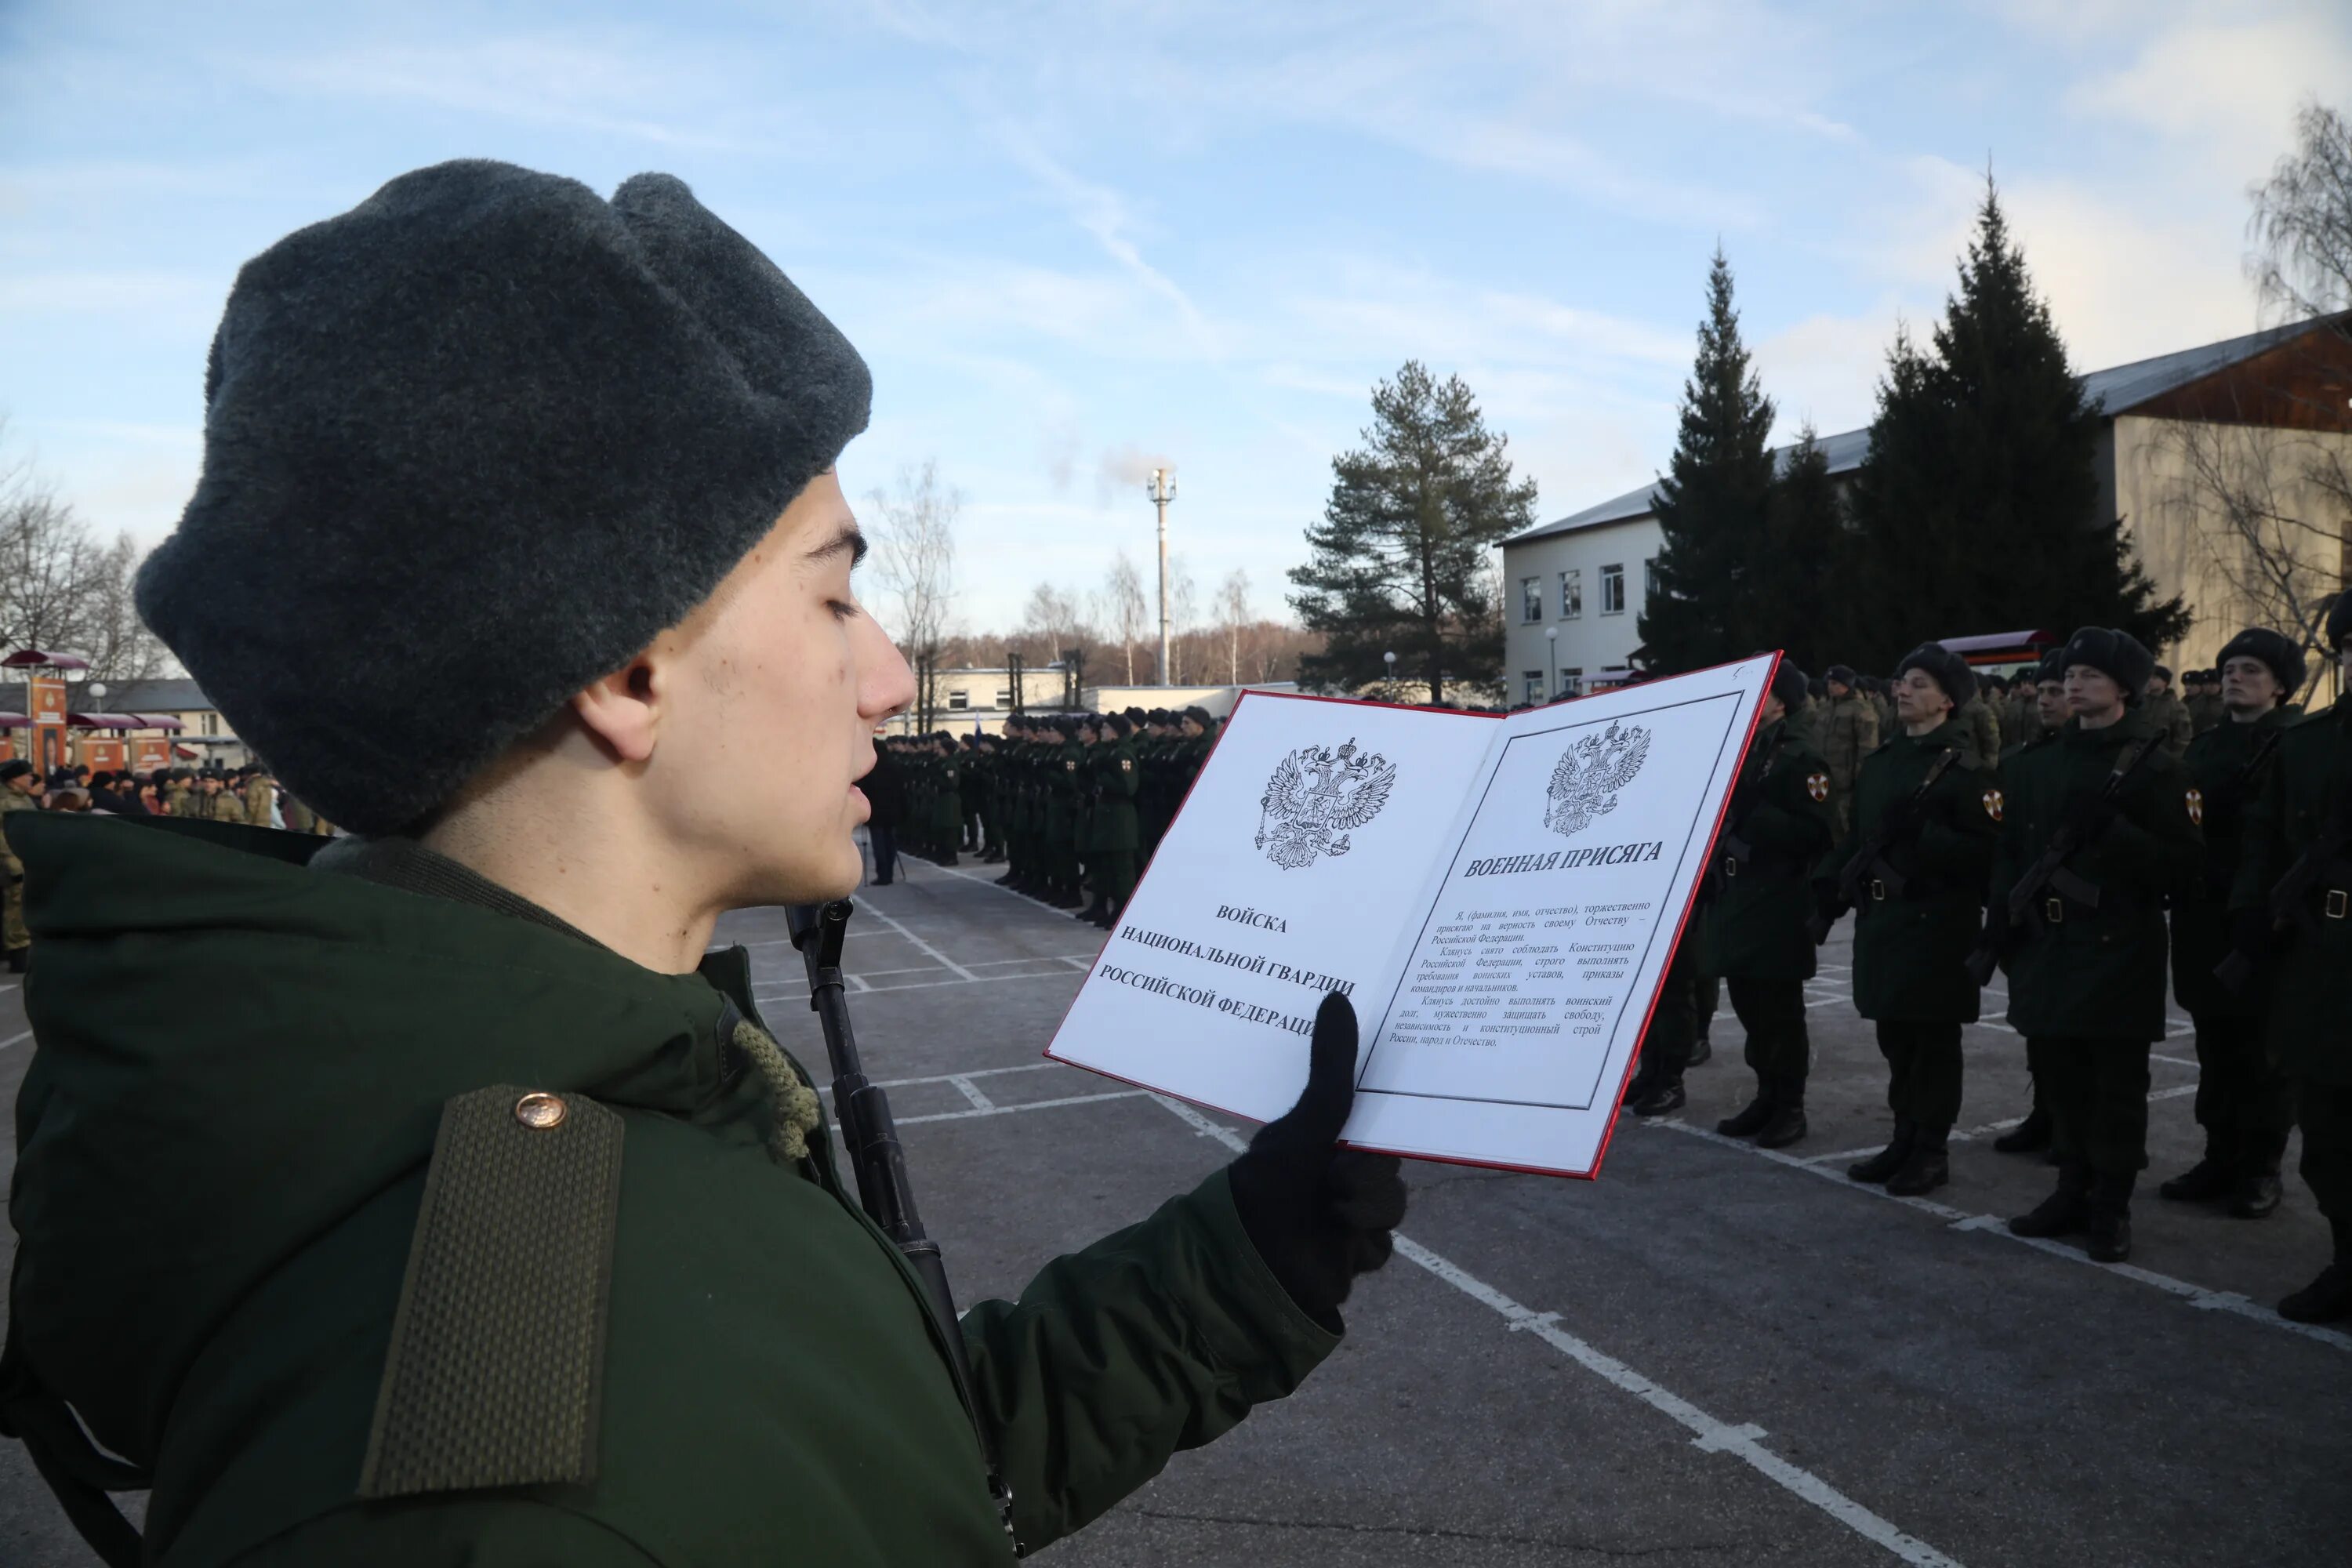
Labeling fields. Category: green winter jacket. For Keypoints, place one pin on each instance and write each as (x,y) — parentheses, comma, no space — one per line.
(2309,782)
(224,1139)
(2095,971)
(1755,920)
(1911,949)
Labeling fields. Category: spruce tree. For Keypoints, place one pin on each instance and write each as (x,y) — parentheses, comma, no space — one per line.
(1399,563)
(1803,536)
(1711,502)
(1976,509)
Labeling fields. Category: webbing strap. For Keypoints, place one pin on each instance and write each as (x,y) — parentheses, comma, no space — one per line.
(495,1368)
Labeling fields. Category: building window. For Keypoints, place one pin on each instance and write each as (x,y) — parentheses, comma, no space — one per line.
(1005,696)
(1571,681)
(1531,686)
(1649,579)
(1531,598)
(1571,593)
(960,699)
(1612,590)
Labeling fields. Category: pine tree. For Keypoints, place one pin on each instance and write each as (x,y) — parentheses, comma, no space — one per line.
(1399,562)
(1976,510)
(1803,536)
(1711,502)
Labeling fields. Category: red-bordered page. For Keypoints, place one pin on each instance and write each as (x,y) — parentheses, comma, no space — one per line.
(1501,900)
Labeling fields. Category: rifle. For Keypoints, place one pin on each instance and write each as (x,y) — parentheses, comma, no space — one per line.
(1870,860)
(2050,871)
(876,1159)
(2290,901)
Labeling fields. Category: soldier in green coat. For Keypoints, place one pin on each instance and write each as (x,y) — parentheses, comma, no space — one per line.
(479,1219)
(2086,972)
(1914,867)
(2168,712)
(19,782)
(2032,1134)
(1848,732)
(2295,888)
(1113,832)
(1776,827)
(2243,1098)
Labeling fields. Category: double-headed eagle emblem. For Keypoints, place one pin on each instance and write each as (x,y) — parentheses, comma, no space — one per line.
(1585,782)
(1317,796)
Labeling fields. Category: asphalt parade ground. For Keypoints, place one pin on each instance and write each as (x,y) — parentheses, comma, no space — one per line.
(1712,1354)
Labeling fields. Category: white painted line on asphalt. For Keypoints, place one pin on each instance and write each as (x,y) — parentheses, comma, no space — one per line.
(1969,1135)
(970,1090)
(1994,1225)
(1033,1105)
(14,1039)
(1707,1434)
(925,947)
(975,1072)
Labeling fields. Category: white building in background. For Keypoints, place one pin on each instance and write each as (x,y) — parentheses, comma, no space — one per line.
(1574,588)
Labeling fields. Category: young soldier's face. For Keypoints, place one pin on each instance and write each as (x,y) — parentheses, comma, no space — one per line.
(2248,685)
(2050,703)
(779,678)
(1918,700)
(2092,693)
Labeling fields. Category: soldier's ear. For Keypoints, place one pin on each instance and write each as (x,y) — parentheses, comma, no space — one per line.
(623,710)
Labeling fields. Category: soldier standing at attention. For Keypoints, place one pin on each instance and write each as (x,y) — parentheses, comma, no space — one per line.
(2168,713)
(2294,885)
(1875,689)
(213,803)
(2206,706)
(1981,725)
(1848,732)
(509,1234)
(1116,779)
(886,806)
(18,784)
(1774,829)
(2087,976)
(258,795)
(2243,1100)
(1915,866)
(2031,1136)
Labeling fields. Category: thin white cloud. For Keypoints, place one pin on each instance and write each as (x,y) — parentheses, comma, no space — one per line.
(2226,93)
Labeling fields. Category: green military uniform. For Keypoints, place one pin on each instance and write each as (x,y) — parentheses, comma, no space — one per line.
(1848,734)
(1982,727)
(207,806)
(1913,931)
(259,796)
(2306,800)
(745,1369)
(946,802)
(1779,825)
(2089,981)
(2206,709)
(1065,777)
(1114,832)
(16,936)
(2169,715)
(2243,1102)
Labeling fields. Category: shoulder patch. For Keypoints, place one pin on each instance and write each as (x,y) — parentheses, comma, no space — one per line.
(1817,784)
(1127,764)
(2194,799)
(1994,804)
(1069,764)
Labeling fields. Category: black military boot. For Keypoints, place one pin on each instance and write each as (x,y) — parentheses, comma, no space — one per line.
(2212,1177)
(1700,1050)
(1644,1081)
(1889,1160)
(1751,1120)
(2064,1212)
(1787,1123)
(2110,1213)
(2030,1136)
(2257,1190)
(2326,1300)
(1928,1167)
(1665,1095)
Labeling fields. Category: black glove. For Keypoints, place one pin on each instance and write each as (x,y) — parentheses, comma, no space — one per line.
(1319,1215)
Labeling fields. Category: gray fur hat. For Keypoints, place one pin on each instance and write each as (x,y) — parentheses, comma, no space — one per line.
(470,446)
(2269,647)
(1945,668)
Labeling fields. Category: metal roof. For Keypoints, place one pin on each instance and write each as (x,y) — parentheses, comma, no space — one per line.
(2112,391)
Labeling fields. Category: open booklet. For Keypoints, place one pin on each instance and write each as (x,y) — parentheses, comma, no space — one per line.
(1500,897)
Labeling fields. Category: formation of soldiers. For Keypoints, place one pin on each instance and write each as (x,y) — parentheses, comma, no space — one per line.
(1072,804)
(2123,838)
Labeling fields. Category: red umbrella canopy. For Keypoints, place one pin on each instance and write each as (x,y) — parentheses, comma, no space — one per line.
(32,658)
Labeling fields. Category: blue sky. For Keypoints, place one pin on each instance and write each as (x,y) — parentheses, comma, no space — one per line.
(1075,238)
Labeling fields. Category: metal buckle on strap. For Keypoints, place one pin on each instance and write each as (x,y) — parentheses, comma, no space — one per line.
(2338,901)
(1731,865)
(1878,889)
(2054,910)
